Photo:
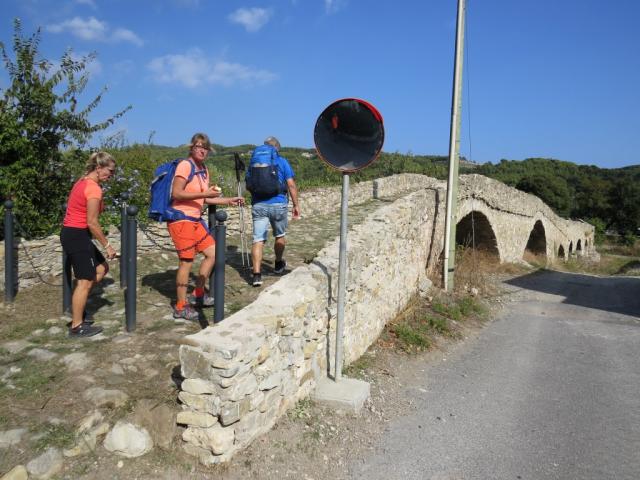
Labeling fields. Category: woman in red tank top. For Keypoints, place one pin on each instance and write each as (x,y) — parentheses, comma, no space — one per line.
(80,224)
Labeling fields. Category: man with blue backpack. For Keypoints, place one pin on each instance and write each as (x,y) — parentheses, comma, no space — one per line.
(269,178)
(178,194)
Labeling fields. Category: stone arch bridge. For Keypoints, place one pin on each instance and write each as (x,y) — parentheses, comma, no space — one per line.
(245,372)
(509,222)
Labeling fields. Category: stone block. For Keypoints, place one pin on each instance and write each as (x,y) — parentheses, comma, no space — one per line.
(195,363)
(201,403)
(255,399)
(204,455)
(231,412)
(271,398)
(239,390)
(215,439)
(263,354)
(198,386)
(249,426)
(196,419)
(270,382)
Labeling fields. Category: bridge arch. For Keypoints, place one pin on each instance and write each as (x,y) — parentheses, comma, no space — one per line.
(475,216)
(537,242)
(579,247)
(475,231)
(561,253)
(571,248)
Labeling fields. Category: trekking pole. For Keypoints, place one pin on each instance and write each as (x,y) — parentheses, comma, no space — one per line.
(9,260)
(240,167)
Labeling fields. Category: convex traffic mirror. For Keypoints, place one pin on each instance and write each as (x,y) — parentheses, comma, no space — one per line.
(349,134)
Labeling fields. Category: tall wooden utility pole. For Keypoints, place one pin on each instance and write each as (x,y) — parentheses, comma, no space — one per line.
(454,149)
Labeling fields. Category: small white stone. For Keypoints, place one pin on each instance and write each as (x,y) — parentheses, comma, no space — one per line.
(128,440)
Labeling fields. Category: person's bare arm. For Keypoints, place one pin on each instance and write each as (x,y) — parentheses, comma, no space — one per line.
(93,223)
(293,191)
(178,191)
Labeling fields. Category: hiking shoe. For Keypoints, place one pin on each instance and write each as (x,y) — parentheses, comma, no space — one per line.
(257,280)
(84,330)
(188,313)
(86,319)
(279,266)
(205,301)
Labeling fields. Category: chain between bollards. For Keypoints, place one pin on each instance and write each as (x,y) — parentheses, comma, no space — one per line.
(9,253)
(218,285)
(132,253)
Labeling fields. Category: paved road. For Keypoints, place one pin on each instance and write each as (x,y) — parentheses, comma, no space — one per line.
(550,390)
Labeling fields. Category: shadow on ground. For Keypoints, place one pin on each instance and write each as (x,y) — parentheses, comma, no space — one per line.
(610,294)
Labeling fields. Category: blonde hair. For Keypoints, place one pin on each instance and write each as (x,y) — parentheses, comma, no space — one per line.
(202,138)
(99,159)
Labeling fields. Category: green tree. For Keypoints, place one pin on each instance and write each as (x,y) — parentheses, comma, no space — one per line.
(625,203)
(39,118)
(552,190)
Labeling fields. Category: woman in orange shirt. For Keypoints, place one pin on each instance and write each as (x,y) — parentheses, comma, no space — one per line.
(189,236)
(80,224)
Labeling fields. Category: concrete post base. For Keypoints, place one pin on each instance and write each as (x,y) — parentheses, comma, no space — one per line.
(348,395)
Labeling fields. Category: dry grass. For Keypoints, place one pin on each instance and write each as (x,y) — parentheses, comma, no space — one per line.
(479,269)
(425,320)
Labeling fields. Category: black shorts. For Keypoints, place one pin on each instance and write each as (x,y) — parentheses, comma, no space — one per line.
(81,251)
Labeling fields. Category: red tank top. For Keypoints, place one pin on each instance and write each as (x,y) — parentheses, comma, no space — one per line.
(83,190)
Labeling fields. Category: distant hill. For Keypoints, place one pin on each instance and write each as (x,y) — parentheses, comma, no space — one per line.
(608,198)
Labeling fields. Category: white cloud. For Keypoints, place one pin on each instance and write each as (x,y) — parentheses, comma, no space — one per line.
(93,29)
(124,35)
(187,3)
(90,3)
(333,6)
(253,19)
(193,70)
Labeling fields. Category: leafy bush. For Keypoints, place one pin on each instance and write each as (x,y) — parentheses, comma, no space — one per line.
(39,116)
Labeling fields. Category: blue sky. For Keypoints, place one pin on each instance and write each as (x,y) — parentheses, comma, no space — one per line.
(543,78)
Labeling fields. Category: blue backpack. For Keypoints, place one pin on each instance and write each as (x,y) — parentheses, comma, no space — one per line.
(160,208)
(262,178)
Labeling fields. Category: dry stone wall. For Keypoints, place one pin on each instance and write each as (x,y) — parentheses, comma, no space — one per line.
(242,374)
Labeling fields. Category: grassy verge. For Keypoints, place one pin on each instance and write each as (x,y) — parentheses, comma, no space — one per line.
(424,320)
(608,265)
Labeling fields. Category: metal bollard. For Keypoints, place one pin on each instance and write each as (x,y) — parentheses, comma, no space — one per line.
(67,285)
(132,252)
(9,253)
(123,240)
(211,210)
(218,286)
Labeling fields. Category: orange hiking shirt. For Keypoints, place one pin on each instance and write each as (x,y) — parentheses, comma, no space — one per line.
(199,183)
(83,190)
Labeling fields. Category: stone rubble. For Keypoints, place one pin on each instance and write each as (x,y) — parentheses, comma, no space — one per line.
(128,440)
